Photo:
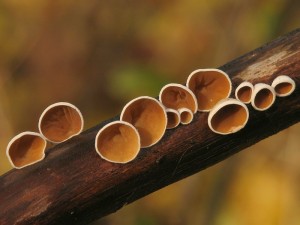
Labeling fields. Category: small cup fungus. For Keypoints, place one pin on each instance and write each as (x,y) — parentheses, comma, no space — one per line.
(186,115)
(244,91)
(148,116)
(118,142)
(176,96)
(228,116)
(283,85)
(173,118)
(263,97)
(209,87)
(26,149)
(60,121)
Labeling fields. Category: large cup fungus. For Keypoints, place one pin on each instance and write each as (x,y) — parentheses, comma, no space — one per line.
(60,121)
(209,86)
(148,116)
(118,142)
(228,116)
(26,149)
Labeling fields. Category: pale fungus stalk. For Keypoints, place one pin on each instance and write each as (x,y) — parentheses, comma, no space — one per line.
(148,116)
(244,92)
(118,142)
(228,116)
(176,96)
(186,116)
(60,121)
(263,97)
(173,118)
(283,85)
(26,149)
(209,86)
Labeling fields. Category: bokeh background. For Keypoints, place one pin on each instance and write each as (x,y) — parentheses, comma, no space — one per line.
(101,54)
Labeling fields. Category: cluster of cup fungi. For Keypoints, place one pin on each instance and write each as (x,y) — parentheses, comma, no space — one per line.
(144,120)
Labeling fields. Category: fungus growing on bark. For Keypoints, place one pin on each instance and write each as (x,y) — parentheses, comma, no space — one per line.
(228,116)
(263,97)
(118,142)
(173,118)
(26,149)
(186,116)
(148,116)
(176,96)
(283,85)
(244,92)
(209,86)
(60,121)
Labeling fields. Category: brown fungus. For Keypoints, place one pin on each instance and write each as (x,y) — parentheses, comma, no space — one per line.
(60,121)
(118,142)
(209,87)
(26,149)
(283,85)
(228,116)
(244,92)
(173,118)
(176,96)
(148,116)
(263,97)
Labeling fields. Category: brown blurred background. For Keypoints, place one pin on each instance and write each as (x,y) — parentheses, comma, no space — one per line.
(100,54)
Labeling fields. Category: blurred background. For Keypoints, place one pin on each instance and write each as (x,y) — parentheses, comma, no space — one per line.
(99,55)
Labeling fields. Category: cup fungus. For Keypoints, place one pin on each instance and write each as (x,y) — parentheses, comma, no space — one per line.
(176,96)
(283,85)
(118,142)
(26,149)
(228,116)
(209,87)
(186,115)
(148,116)
(60,121)
(173,118)
(263,97)
(244,92)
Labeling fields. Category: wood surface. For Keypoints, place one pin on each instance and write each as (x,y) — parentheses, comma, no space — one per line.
(73,185)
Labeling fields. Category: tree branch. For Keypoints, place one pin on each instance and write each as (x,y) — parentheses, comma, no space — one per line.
(73,185)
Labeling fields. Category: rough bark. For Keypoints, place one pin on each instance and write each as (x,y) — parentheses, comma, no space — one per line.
(73,185)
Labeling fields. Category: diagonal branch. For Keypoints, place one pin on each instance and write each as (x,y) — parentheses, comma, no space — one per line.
(74,186)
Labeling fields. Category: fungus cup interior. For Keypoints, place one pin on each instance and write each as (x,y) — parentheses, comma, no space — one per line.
(283,88)
(118,142)
(263,98)
(148,116)
(173,119)
(26,150)
(186,116)
(60,122)
(244,94)
(176,97)
(209,88)
(229,119)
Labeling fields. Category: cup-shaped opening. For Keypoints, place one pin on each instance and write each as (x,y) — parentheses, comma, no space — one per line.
(228,116)
(173,118)
(60,121)
(26,149)
(118,142)
(176,96)
(283,85)
(186,116)
(244,92)
(148,116)
(263,97)
(209,86)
